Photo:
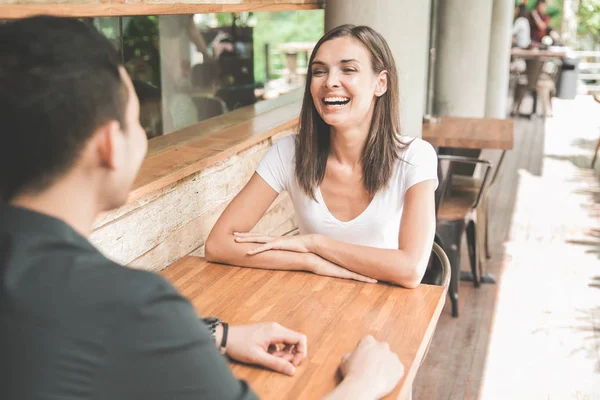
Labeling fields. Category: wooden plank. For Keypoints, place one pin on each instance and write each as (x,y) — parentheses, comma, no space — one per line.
(470,133)
(278,220)
(217,124)
(178,156)
(133,234)
(192,236)
(115,8)
(177,162)
(532,53)
(333,313)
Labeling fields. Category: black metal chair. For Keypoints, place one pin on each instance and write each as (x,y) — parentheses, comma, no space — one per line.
(438,270)
(456,213)
(469,183)
(597,98)
(438,273)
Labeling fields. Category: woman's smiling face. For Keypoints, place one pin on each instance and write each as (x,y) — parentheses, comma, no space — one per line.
(343,84)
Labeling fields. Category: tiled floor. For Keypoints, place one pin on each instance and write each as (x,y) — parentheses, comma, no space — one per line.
(536,333)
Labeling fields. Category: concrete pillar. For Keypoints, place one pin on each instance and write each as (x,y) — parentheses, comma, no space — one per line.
(405,26)
(462,57)
(499,59)
(569,22)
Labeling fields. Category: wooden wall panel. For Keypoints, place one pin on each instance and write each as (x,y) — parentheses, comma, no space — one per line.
(98,8)
(156,230)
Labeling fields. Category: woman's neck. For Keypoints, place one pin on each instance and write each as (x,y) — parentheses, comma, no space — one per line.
(347,143)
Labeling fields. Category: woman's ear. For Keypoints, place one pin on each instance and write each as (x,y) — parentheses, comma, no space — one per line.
(382,84)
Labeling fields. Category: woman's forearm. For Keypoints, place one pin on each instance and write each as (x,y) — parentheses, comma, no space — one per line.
(389,265)
(225,250)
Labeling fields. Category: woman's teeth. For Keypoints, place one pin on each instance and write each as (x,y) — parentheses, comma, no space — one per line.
(336,101)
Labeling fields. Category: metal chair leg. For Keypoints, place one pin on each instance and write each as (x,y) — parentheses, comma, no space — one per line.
(596,153)
(486,215)
(450,234)
(472,244)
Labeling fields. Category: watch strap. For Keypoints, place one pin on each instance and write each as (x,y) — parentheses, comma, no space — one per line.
(212,323)
(223,346)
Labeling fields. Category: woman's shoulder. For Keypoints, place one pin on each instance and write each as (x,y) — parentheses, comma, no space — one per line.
(286,146)
(286,142)
(522,21)
(416,150)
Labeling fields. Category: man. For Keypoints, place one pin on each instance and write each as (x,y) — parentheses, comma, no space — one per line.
(539,22)
(74,325)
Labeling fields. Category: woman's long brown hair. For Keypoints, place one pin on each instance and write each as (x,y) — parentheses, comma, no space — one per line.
(381,149)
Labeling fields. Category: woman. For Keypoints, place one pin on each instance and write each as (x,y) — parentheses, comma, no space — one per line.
(363,195)
(521,30)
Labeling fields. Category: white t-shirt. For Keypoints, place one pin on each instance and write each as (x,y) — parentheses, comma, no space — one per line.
(522,32)
(378,225)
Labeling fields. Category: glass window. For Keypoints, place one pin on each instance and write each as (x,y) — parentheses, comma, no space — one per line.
(188,68)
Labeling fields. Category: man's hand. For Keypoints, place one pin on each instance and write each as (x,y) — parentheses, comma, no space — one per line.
(267,344)
(373,363)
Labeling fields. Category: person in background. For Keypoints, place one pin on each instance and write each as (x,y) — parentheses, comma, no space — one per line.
(539,22)
(205,84)
(521,29)
(150,108)
(73,324)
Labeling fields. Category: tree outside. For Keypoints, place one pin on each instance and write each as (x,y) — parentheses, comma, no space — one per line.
(276,28)
(589,20)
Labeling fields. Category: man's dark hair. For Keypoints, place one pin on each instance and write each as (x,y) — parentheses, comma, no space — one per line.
(59,81)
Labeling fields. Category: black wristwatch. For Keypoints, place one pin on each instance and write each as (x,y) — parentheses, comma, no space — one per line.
(212,323)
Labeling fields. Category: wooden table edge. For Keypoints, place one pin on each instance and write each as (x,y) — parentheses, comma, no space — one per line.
(410,375)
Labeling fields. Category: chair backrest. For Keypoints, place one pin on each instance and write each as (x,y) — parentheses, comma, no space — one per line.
(497,167)
(438,270)
(444,183)
(446,164)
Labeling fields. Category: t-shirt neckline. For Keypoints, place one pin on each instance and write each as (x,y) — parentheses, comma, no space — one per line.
(323,205)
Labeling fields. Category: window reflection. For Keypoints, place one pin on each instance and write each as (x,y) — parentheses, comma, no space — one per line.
(188,68)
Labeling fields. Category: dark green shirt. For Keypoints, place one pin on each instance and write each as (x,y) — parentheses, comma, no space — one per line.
(74,325)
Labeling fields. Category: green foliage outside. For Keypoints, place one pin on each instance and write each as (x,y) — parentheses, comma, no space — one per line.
(281,27)
(589,19)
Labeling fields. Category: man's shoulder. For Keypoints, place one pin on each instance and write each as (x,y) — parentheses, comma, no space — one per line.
(110,281)
(76,278)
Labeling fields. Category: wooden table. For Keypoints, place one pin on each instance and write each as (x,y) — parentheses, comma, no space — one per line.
(333,313)
(530,53)
(470,133)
